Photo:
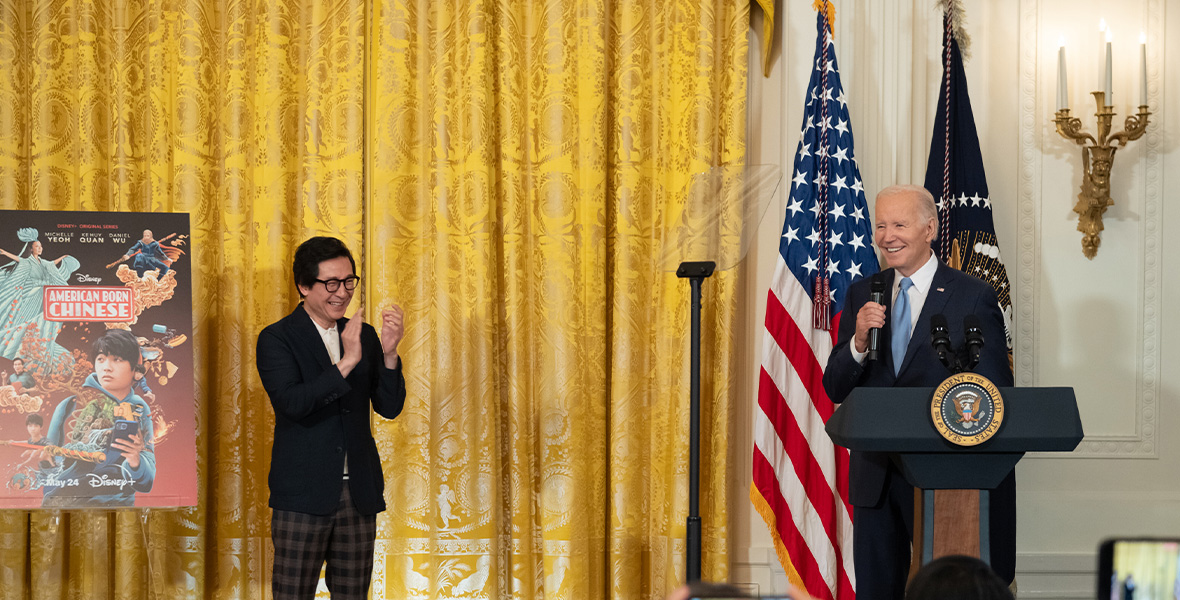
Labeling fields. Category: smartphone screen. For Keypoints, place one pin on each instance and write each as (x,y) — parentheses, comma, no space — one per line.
(123,430)
(1139,569)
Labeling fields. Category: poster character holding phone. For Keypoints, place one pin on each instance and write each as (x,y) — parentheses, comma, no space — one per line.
(109,417)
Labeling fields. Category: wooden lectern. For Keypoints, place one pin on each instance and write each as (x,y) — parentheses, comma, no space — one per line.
(898,421)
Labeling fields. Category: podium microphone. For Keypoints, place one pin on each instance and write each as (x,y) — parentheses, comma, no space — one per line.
(876,294)
(973,332)
(940,339)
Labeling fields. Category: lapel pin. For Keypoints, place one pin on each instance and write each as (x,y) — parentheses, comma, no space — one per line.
(942,289)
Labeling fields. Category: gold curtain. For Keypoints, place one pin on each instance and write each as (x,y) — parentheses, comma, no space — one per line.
(507,170)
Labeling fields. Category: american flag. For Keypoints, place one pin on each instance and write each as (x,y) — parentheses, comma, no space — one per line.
(800,479)
(955,177)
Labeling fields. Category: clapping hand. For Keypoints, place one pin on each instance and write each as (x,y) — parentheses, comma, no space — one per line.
(392,331)
(350,339)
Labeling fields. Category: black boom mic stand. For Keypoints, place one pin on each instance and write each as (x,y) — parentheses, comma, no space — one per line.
(695,272)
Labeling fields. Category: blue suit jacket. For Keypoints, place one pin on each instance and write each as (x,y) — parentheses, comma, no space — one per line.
(953,294)
(320,416)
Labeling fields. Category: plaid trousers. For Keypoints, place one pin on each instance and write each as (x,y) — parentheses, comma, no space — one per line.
(303,542)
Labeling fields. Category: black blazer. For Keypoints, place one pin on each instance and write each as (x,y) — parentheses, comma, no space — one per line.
(953,294)
(320,416)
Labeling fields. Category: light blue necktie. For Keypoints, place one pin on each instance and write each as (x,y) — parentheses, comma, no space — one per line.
(901,324)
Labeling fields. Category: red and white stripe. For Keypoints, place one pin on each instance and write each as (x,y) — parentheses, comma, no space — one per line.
(800,478)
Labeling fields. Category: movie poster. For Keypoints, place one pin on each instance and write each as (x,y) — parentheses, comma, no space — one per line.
(96,360)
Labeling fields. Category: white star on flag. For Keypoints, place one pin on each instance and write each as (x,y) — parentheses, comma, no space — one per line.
(792,234)
(796,206)
(839,183)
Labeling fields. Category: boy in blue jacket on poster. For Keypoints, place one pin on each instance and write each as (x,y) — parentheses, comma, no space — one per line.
(111,422)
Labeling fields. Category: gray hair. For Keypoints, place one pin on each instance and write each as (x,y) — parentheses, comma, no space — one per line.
(925,200)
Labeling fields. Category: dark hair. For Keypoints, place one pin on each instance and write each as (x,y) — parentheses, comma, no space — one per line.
(34,419)
(309,255)
(18,358)
(121,343)
(957,577)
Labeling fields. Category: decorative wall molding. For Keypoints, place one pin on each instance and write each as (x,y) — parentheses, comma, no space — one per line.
(1035,125)
(1028,198)
(1143,443)
(758,571)
(1152,233)
(1056,576)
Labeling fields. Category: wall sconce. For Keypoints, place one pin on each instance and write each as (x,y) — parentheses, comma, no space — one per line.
(1098,153)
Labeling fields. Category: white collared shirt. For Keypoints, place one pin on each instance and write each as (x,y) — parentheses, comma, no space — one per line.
(331,339)
(922,279)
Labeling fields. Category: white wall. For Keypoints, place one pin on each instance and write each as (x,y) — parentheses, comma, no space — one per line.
(1102,326)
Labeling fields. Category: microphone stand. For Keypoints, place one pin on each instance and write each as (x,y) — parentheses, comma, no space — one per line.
(695,272)
(974,341)
(941,342)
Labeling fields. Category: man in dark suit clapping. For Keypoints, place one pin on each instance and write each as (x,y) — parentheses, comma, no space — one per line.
(322,373)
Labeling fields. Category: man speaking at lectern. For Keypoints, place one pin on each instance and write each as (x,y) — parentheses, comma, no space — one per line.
(918,286)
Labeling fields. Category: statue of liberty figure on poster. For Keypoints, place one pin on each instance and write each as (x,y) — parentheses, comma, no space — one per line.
(22,283)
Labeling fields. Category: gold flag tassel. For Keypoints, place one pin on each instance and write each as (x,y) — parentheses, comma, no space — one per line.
(820,5)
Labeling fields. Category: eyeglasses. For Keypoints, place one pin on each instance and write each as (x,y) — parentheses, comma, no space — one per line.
(334,284)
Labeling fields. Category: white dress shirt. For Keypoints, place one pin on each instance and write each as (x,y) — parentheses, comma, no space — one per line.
(331,338)
(922,279)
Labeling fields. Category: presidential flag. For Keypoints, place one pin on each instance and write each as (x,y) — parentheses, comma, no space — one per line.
(800,479)
(954,176)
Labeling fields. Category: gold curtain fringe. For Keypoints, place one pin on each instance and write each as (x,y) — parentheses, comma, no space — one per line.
(762,507)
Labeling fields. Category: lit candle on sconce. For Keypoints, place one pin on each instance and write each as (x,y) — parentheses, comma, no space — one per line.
(1099,145)
(1142,69)
(1108,89)
(1062,88)
(1101,36)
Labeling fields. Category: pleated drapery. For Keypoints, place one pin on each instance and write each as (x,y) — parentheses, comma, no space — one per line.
(505,170)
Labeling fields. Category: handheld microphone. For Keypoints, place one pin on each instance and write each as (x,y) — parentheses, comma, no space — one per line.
(877,294)
(940,339)
(973,332)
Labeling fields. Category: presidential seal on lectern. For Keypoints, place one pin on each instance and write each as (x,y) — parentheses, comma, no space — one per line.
(967,409)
